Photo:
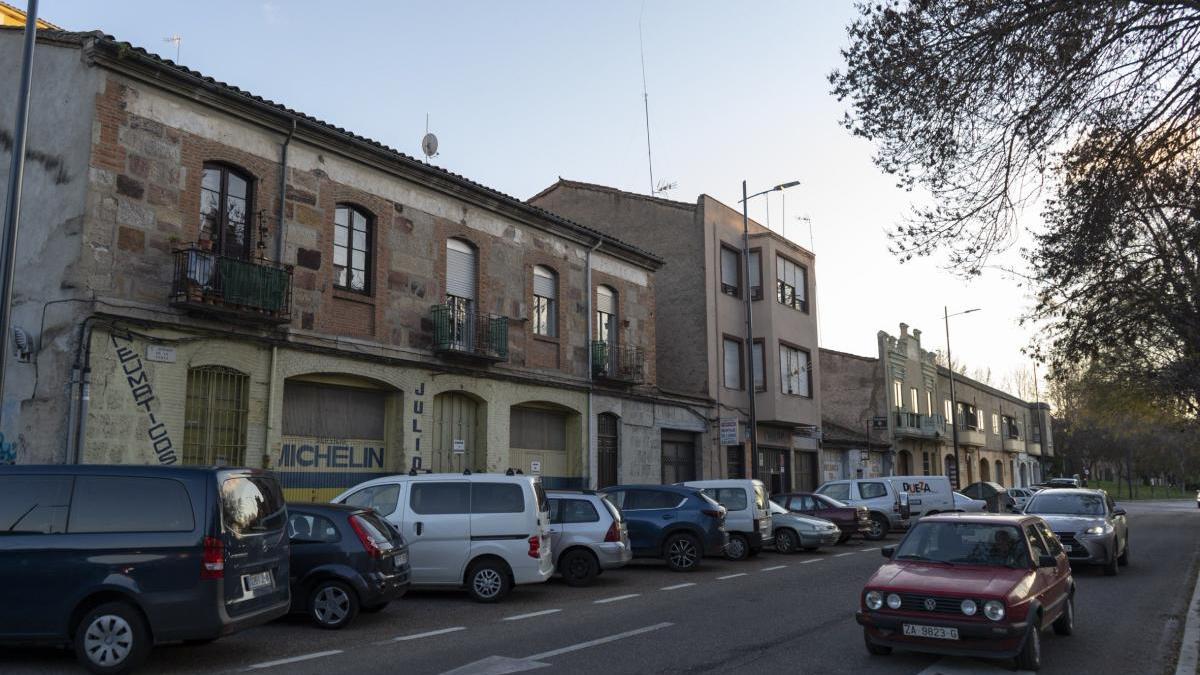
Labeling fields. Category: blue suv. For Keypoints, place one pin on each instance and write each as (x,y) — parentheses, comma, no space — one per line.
(678,524)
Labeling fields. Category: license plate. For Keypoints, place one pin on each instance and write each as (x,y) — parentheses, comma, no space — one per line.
(1068,548)
(401,560)
(253,582)
(935,632)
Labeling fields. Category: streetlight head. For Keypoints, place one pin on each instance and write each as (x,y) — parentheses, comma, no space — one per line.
(784,186)
(972,310)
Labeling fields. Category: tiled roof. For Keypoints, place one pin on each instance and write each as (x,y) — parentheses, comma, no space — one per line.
(125,49)
(612,190)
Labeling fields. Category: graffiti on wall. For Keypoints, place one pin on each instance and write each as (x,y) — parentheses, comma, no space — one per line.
(143,394)
(8,452)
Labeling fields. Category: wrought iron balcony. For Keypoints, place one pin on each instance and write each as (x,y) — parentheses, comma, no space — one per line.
(618,363)
(464,332)
(256,290)
(914,425)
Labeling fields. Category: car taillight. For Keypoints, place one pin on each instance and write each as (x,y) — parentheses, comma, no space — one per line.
(368,542)
(614,532)
(213,561)
(535,546)
(714,513)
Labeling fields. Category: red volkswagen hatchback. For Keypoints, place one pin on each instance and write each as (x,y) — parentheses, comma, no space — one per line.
(970,585)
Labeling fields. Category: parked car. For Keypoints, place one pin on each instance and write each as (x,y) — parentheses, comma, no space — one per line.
(345,559)
(1020,497)
(851,520)
(1063,483)
(794,531)
(679,524)
(879,496)
(482,531)
(995,494)
(968,505)
(587,536)
(113,558)
(970,585)
(747,518)
(927,495)
(1092,528)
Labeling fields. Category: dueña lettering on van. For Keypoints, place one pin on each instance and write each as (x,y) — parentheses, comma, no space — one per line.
(330,456)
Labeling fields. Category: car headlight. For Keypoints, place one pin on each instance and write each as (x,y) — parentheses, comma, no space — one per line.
(969,608)
(993,609)
(807,527)
(1099,529)
(893,601)
(874,600)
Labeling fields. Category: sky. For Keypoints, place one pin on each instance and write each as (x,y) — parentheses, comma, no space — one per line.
(521,93)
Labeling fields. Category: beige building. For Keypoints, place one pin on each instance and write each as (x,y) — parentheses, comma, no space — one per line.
(702,347)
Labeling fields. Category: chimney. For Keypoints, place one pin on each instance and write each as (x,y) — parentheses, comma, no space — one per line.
(903,330)
(916,333)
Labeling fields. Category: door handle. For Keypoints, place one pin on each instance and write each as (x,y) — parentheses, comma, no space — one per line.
(667,516)
(420,527)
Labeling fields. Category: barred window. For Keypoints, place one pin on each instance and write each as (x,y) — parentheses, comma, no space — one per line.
(215,414)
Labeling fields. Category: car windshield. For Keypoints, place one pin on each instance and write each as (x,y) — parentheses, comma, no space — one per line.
(965,544)
(777,509)
(830,501)
(1052,502)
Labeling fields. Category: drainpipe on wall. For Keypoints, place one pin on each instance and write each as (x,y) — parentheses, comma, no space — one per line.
(78,409)
(591,449)
(283,166)
(266,458)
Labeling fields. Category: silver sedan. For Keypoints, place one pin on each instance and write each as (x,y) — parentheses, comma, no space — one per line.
(1090,525)
(794,531)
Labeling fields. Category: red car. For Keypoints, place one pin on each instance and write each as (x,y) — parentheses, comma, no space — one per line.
(851,520)
(970,585)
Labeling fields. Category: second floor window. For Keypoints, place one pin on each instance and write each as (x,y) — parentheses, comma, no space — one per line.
(791,284)
(759,362)
(545,310)
(351,249)
(225,207)
(756,274)
(795,371)
(995,424)
(898,394)
(731,271)
(606,314)
(928,402)
(732,352)
(912,395)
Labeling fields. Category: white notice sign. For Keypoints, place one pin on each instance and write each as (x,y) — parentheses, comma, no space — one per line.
(729,431)
(535,466)
(460,445)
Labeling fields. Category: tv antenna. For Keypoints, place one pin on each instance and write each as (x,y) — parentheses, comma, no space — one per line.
(176,40)
(665,186)
(429,143)
(645,98)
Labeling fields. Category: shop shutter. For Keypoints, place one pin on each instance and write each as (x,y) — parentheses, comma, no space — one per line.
(325,411)
(460,269)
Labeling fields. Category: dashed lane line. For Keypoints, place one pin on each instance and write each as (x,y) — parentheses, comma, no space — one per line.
(772,569)
(519,617)
(294,659)
(614,599)
(864,550)
(843,555)
(810,560)
(432,633)
(731,576)
(598,641)
(678,586)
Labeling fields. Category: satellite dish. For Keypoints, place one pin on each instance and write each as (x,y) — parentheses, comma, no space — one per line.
(429,145)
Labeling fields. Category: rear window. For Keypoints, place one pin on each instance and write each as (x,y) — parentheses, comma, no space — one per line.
(572,511)
(130,504)
(34,504)
(650,499)
(382,498)
(497,498)
(839,491)
(307,528)
(612,509)
(733,499)
(252,505)
(871,490)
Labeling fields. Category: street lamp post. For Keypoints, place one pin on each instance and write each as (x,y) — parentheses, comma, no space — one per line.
(953,399)
(750,319)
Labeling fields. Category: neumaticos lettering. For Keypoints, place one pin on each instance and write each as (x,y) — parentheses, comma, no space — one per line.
(330,456)
(143,393)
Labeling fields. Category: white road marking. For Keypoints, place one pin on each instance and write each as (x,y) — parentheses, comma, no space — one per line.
(294,659)
(843,555)
(772,569)
(598,641)
(531,615)
(810,560)
(677,586)
(864,550)
(731,576)
(612,599)
(418,636)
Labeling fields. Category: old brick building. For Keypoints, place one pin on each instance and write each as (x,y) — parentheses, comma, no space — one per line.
(208,276)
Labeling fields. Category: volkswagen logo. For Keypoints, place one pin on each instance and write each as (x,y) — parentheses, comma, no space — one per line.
(930,604)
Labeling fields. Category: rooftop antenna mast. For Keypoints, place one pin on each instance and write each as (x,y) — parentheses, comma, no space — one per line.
(177,40)
(646,99)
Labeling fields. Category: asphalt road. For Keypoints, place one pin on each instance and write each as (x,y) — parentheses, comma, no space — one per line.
(773,613)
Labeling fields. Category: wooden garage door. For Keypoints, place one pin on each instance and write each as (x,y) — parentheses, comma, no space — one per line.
(678,456)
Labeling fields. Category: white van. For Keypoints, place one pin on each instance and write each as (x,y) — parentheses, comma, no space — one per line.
(487,532)
(926,495)
(748,520)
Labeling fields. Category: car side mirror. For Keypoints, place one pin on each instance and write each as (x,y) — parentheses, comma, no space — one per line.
(1118,511)
(888,551)
(1047,561)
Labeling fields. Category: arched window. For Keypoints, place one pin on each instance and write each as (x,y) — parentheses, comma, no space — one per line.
(545,301)
(985,473)
(999,475)
(352,244)
(226,202)
(606,314)
(215,413)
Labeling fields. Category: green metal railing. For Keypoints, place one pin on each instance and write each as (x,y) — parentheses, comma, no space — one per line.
(618,362)
(458,330)
(257,289)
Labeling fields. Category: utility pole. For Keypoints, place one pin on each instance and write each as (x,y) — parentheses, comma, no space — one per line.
(12,202)
(953,402)
(749,336)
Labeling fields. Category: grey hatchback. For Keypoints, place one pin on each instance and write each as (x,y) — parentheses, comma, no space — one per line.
(587,535)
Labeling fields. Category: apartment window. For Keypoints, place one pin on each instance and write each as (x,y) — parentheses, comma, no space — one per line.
(912,397)
(731,271)
(979,418)
(351,249)
(898,394)
(225,204)
(928,402)
(925,463)
(948,409)
(462,272)
(1009,424)
(995,424)
(758,358)
(606,314)
(972,418)
(755,274)
(215,412)
(733,363)
(791,284)
(795,371)
(545,304)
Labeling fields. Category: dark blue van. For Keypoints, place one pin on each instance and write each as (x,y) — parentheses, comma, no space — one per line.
(679,524)
(113,559)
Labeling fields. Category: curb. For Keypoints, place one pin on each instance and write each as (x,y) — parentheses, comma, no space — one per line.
(1189,646)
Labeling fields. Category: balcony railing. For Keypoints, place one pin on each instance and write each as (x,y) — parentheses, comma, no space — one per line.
(258,290)
(618,362)
(468,333)
(1013,443)
(969,434)
(914,425)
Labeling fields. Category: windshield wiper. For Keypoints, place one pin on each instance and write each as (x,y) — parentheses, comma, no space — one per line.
(920,558)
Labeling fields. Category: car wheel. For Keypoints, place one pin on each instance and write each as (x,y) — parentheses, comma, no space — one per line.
(373,609)
(1111,567)
(332,605)
(879,528)
(112,638)
(737,548)
(578,567)
(875,649)
(682,553)
(1124,559)
(786,541)
(1030,656)
(845,537)
(488,581)
(1065,623)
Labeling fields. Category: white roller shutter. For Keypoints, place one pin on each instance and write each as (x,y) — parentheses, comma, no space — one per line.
(460,269)
(606,300)
(543,283)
